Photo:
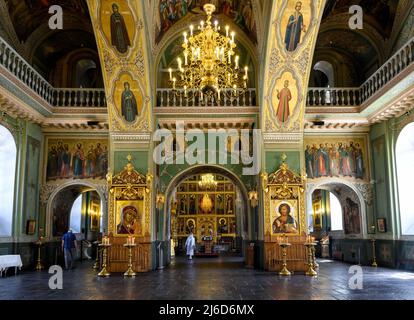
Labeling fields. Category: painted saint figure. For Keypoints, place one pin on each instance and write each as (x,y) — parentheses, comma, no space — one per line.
(285,223)
(119,34)
(294,28)
(130,223)
(284,96)
(129,104)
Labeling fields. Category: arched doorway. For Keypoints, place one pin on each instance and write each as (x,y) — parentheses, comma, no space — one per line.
(336,210)
(221,212)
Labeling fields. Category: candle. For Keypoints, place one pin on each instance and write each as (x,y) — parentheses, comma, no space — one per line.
(191,30)
(237,62)
(232,36)
(215,25)
(179,63)
(185,57)
(185,37)
(202,25)
(245,70)
(185,91)
(170,72)
(227,31)
(174,80)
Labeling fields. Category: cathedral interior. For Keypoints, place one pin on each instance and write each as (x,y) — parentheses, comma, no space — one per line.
(279,135)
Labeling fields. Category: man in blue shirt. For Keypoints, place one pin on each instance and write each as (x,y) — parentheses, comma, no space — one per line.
(68,246)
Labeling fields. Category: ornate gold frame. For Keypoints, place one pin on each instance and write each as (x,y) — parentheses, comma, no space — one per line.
(129,185)
(284,185)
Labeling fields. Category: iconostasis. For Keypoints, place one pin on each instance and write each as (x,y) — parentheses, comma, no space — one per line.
(205,212)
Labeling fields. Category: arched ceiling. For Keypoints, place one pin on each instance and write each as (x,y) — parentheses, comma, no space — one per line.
(169,12)
(355,52)
(44,47)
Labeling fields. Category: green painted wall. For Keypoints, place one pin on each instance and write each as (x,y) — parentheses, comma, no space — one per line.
(139,160)
(273,160)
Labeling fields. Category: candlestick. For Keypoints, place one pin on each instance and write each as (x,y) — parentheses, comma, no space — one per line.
(105,245)
(130,272)
(284,271)
(39,265)
(310,272)
(374,257)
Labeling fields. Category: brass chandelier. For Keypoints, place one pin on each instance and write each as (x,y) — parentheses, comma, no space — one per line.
(209,63)
(207,181)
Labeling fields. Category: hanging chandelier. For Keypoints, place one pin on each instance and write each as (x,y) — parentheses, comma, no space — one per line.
(207,181)
(209,63)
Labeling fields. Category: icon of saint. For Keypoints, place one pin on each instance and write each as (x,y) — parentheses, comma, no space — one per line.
(119,35)
(285,223)
(283,109)
(129,104)
(294,28)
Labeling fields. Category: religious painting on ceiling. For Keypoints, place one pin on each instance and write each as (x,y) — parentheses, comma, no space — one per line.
(240,11)
(336,157)
(76,159)
(117,24)
(295,21)
(128,98)
(284,98)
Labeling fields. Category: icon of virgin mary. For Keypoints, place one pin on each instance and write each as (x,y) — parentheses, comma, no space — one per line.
(119,35)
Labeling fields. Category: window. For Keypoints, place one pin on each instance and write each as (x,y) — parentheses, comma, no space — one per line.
(405,176)
(76,215)
(336,213)
(8,153)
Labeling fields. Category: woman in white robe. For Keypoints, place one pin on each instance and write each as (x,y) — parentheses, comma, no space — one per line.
(190,246)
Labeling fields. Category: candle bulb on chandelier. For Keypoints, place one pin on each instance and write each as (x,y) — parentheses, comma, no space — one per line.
(232,36)
(191,30)
(170,72)
(215,25)
(179,63)
(185,58)
(246,69)
(185,37)
(237,62)
(202,25)
(227,31)
(174,80)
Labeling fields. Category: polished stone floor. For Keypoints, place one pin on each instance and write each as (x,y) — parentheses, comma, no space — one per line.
(207,279)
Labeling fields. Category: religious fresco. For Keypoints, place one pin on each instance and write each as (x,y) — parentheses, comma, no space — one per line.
(284,216)
(128,98)
(352,217)
(336,157)
(76,159)
(118,24)
(284,98)
(240,11)
(295,20)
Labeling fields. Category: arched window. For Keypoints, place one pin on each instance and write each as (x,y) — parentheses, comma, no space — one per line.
(336,213)
(76,215)
(405,174)
(8,152)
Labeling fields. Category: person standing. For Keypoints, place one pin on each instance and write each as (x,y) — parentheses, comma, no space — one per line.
(68,246)
(190,246)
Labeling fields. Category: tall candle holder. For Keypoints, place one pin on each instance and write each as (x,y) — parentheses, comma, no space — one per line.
(129,245)
(284,245)
(315,264)
(310,246)
(39,265)
(96,264)
(374,256)
(104,245)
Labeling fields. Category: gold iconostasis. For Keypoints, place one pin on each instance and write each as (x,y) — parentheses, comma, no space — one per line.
(207,212)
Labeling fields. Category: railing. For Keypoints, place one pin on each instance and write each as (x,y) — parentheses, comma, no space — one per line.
(23,71)
(333,97)
(400,61)
(167,97)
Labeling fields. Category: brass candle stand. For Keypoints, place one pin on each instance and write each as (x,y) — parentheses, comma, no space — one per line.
(96,264)
(310,246)
(104,272)
(374,257)
(315,264)
(284,272)
(129,273)
(39,265)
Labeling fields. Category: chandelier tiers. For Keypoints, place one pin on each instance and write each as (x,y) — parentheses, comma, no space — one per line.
(207,182)
(209,63)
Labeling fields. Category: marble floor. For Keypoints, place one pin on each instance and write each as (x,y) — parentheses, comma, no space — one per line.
(210,279)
